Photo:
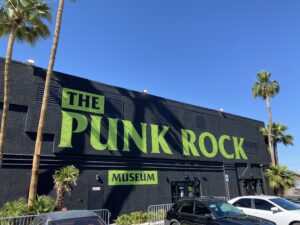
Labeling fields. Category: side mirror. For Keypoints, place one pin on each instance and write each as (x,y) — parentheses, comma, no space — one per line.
(208,216)
(275,209)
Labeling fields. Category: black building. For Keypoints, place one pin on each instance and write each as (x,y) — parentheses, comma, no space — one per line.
(133,149)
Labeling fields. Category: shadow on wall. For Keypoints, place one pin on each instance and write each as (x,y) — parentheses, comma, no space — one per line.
(118,196)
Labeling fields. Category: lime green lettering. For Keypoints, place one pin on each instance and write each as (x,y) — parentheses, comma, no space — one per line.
(111,143)
(67,127)
(123,177)
(130,131)
(238,148)
(82,101)
(158,140)
(202,146)
(222,148)
(188,140)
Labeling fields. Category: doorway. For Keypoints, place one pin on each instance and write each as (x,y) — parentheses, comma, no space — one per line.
(95,197)
(252,187)
(184,189)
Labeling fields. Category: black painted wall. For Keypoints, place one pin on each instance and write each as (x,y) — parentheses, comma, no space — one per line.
(26,95)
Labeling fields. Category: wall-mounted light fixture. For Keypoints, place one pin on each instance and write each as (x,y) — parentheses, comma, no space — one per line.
(168,180)
(98,179)
(186,177)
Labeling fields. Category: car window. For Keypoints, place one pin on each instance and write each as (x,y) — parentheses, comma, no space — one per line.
(201,210)
(226,207)
(286,204)
(176,206)
(262,204)
(223,209)
(188,208)
(78,221)
(243,202)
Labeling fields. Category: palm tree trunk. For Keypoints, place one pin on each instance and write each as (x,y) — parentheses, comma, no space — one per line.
(275,192)
(275,152)
(281,191)
(38,143)
(60,195)
(270,130)
(6,89)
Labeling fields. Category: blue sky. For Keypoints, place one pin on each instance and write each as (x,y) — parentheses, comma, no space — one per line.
(203,52)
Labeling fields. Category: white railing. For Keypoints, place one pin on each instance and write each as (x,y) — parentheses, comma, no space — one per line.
(157,213)
(20,220)
(104,214)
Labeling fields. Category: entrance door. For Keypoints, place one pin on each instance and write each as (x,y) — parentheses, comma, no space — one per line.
(183,189)
(95,198)
(252,187)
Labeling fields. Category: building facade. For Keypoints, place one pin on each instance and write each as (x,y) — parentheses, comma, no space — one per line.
(133,149)
(294,191)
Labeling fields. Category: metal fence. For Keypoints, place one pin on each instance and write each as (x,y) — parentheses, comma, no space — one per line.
(104,214)
(20,220)
(157,213)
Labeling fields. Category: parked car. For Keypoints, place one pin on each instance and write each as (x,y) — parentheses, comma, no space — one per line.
(209,211)
(72,217)
(279,210)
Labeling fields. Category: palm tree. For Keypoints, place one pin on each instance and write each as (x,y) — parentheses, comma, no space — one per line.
(279,136)
(265,88)
(42,204)
(21,20)
(64,179)
(280,178)
(38,142)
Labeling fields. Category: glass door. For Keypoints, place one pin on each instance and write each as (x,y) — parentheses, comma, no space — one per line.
(184,189)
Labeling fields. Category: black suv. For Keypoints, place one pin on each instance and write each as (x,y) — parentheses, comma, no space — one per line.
(209,211)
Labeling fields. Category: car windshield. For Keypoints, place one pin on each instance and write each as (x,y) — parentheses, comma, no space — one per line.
(224,209)
(286,204)
(78,221)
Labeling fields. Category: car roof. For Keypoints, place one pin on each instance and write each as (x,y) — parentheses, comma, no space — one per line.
(268,197)
(204,200)
(60,215)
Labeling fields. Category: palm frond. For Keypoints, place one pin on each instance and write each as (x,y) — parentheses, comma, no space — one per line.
(28,16)
(264,87)
(66,176)
(264,131)
(279,177)
(287,139)
(278,132)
